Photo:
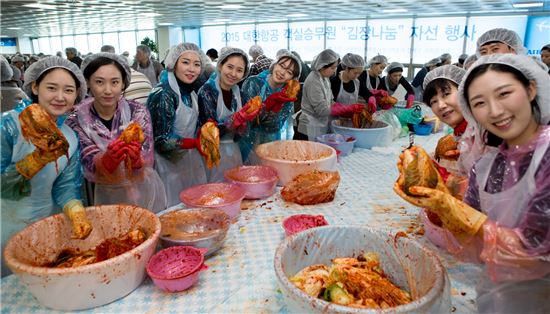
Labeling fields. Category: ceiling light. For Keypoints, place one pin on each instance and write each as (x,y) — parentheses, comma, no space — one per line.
(165,24)
(222,20)
(14,28)
(296,15)
(395,11)
(527,5)
(231,6)
(151,14)
(40,6)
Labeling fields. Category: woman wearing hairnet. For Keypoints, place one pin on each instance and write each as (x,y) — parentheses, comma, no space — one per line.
(121,166)
(275,118)
(39,179)
(397,86)
(317,100)
(345,84)
(10,93)
(505,217)
(220,100)
(174,109)
(370,79)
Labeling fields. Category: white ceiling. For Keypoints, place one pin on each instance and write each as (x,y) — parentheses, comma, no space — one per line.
(92,16)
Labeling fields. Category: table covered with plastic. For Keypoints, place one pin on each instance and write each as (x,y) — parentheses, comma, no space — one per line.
(240,277)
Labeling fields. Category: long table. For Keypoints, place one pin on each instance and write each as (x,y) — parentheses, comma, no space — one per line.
(240,277)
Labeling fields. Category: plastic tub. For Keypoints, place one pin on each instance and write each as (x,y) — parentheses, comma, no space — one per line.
(225,196)
(292,158)
(176,268)
(298,223)
(423,129)
(342,143)
(381,134)
(198,227)
(87,286)
(406,262)
(257,181)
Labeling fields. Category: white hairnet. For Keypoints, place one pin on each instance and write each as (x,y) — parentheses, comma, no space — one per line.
(280,52)
(378,59)
(176,52)
(528,67)
(444,57)
(450,72)
(39,67)
(434,61)
(255,51)
(17,58)
(503,35)
(462,57)
(230,51)
(113,56)
(394,67)
(7,72)
(290,55)
(326,57)
(350,60)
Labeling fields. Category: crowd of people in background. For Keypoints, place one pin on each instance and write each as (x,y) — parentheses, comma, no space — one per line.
(133,130)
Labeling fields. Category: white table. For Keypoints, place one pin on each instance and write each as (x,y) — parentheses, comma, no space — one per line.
(240,277)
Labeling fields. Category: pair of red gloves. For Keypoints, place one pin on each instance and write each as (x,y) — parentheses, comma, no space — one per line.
(118,150)
(342,110)
(273,103)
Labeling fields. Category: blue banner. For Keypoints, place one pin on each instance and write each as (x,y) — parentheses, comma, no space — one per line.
(8,41)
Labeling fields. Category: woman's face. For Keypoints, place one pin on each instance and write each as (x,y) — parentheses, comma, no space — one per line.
(395,77)
(188,67)
(353,73)
(231,72)
(283,72)
(329,72)
(377,69)
(445,106)
(56,92)
(106,86)
(502,105)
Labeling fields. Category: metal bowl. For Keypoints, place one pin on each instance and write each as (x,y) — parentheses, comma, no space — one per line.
(198,227)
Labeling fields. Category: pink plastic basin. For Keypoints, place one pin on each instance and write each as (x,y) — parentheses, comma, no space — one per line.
(225,196)
(257,181)
(298,223)
(176,268)
(441,237)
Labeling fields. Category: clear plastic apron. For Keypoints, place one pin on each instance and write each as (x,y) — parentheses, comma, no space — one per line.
(507,208)
(144,190)
(230,154)
(319,126)
(189,170)
(16,215)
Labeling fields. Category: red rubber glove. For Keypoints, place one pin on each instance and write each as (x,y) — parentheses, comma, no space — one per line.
(134,152)
(241,117)
(341,110)
(379,93)
(371,105)
(115,154)
(189,143)
(275,101)
(410,100)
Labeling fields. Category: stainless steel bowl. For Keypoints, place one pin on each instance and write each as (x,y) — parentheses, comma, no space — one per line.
(197,227)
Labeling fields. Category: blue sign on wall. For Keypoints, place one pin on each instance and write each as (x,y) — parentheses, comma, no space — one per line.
(537,33)
(8,41)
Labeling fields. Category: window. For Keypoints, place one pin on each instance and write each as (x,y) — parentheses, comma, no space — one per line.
(271,37)
(81,44)
(191,35)
(436,36)
(306,38)
(57,45)
(212,37)
(110,39)
(391,38)
(67,41)
(44,46)
(127,42)
(478,25)
(95,42)
(240,36)
(346,37)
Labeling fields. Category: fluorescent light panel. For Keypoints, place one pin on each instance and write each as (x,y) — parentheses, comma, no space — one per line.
(395,11)
(527,5)
(40,6)
(297,15)
(231,6)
